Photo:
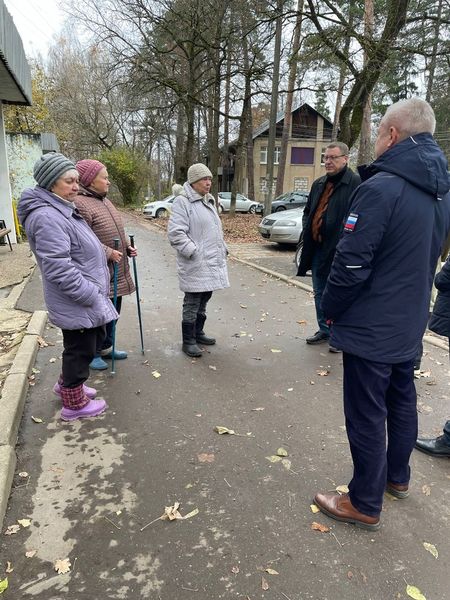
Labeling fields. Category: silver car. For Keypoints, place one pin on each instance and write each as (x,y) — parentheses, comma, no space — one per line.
(243,204)
(282,227)
(158,209)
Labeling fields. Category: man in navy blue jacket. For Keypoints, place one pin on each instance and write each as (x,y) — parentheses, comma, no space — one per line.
(377,298)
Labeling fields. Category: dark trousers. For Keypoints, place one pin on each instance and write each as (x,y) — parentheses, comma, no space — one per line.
(319,282)
(80,347)
(109,328)
(379,399)
(194,304)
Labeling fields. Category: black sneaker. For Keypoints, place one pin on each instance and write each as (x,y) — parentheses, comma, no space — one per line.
(318,338)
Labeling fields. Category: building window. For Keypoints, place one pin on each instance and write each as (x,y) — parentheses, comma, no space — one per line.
(322,156)
(302,156)
(263,155)
(276,155)
(301,184)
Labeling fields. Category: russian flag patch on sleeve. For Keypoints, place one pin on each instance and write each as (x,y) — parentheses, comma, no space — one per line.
(350,223)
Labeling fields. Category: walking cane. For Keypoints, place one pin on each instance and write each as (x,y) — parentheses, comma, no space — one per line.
(115,274)
(138,300)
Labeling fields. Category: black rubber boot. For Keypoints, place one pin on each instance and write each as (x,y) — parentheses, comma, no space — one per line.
(189,344)
(200,334)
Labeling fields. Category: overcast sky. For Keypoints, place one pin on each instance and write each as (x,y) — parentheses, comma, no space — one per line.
(37,22)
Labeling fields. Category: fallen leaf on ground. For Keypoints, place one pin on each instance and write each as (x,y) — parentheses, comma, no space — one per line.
(431,549)
(302,322)
(9,567)
(30,553)
(212,367)
(205,458)
(420,374)
(259,408)
(312,383)
(426,490)
(62,566)
(23,474)
(342,489)
(314,508)
(156,374)
(264,584)
(12,529)
(36,419)
(275,350)
(221,430)
(235,569)
(350,575)
(3,585)
(271,571)
(24,522)
(286,463)
(319,527)
(323,372)
(281,452)
(274,458)
(243,305)
(256,358)
(42,343)
(414,592)
(35,371)
(171,512)
(191,514)
(52,360)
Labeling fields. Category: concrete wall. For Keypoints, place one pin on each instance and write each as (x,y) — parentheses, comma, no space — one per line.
(24,149)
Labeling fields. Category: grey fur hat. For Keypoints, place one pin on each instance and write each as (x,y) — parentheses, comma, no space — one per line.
(50,167)
(198,171)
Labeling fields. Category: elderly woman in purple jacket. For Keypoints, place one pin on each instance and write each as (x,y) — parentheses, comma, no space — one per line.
(75,278)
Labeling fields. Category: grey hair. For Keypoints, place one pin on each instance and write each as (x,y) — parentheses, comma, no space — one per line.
(410,117)
(342,147)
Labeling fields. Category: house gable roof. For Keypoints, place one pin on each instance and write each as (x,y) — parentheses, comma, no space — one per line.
(280,116)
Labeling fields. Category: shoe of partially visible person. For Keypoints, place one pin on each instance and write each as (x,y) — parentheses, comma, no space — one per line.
(435,446)
(90,392)
(118,354)
(397,490)
(334,350)
(318,338)
(340,508)
(92,409)
(98,364)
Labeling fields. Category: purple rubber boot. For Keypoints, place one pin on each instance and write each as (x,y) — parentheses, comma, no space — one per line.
(90,392)
(91,409)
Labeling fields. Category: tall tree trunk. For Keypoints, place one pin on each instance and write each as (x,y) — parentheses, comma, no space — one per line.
(433,60)
(249,124)
(289,97)
(180,165)
(273,109)
(342,75)
(226,125)
(365,137)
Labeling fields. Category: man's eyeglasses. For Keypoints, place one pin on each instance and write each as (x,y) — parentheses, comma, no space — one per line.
(325,158)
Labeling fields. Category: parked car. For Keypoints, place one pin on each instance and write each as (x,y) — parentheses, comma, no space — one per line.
(286,202)
(283,227)
(159,208)
(243,204)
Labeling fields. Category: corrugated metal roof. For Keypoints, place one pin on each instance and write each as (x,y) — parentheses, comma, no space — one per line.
(15,75)
(49,143)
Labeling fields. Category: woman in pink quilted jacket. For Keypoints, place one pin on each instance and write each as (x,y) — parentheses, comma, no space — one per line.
(106,222)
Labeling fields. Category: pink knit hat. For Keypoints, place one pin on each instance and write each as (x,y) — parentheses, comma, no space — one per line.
(88,170)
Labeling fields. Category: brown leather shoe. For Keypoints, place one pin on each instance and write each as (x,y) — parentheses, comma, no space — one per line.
(397,490)
(340,508)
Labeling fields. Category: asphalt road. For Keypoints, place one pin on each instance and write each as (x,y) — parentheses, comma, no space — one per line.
(91,487)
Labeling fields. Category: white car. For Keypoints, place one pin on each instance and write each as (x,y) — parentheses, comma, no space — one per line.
(283,227)
(158,209)
(243,204)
